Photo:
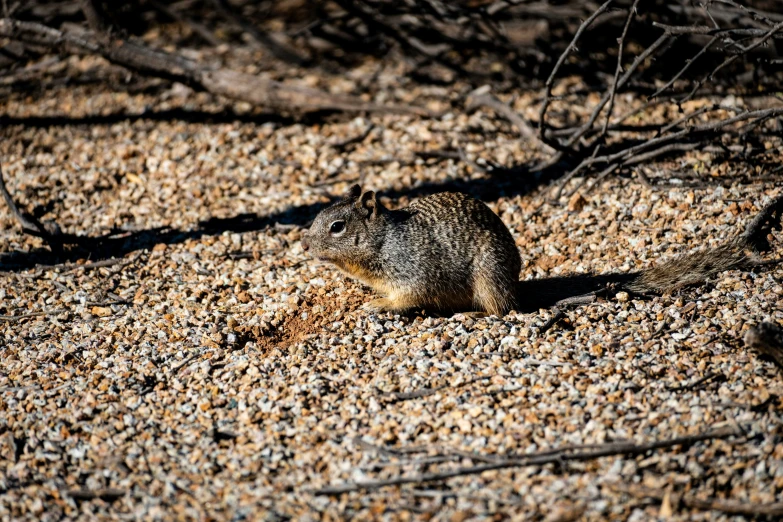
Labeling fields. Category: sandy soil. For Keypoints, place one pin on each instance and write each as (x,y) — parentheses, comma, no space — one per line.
(214,370)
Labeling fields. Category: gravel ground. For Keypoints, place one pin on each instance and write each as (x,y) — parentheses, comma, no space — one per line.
(213,370)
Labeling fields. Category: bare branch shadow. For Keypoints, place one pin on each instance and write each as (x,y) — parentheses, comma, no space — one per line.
(500,182)
(176,114)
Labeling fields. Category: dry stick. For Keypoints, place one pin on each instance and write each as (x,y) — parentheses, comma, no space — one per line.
(679,147)
(641,158)
(426,392)
(372,18)
(731,507)
(107,494)
(93,14)
(631,156)
(709,31)
(28,225)
(620,119)
(695,384)
(185,362)
(439,494)
(689,116)
(542,126)
(750,126)
(715,126)
(525,129)
(745,50)
(685,68)
(646,105)
(104,263)
(596,181)
(619,68)
(565,179)
(348,142)
(14,318)
(605,99)
(196,27)
(605,450)
(731,59)
(48,232)
(235,85)
(259,37)
(558,311)
(752,12)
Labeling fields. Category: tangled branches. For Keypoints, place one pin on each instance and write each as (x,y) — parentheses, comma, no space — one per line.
(693,66)
(685,60)
(611,145)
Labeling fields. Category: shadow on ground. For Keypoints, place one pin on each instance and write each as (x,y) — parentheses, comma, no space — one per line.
(177,114)
(498,183)
(501,182)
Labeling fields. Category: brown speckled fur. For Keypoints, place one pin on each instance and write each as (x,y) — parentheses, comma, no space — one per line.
(447,251)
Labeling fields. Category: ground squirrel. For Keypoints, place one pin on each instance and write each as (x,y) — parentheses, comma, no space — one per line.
(450,252)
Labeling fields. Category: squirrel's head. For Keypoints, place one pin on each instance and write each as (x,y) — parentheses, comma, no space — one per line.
(349,230)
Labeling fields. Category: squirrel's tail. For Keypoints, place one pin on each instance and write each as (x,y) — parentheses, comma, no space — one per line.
(688,269)
(737,253)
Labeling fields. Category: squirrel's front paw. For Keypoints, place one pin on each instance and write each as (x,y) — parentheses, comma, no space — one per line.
(378,305)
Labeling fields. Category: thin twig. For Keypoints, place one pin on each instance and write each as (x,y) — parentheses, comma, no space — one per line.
(621,44)
(526,130)
(731,507)
(135,56)
(542,126)
(107,494)
(349,142)
(30,225)
(15,318)
(558,311)
(605,450)
(426,392)
(698,382)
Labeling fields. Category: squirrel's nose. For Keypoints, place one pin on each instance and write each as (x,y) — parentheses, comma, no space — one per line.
(305,244)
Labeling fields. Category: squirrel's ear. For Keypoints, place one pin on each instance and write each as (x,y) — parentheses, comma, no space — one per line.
(353,192)
(368,203)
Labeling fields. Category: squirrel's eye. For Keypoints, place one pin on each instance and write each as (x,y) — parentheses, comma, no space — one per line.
(337,227)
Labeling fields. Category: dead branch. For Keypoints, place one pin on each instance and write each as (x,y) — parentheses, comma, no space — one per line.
(198,28)
(695,136)
(731,59)
(558,310)
(549,457)
(621,44)
(588,143)
(257,91)
(542,123)
(426,392)
(49,231)
(15,318)
(348,143)
(280,51)
(107,494)
(710,376)
(731,507)
(526,131)
(94,15)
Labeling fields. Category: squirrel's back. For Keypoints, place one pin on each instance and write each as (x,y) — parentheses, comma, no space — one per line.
(452,252)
